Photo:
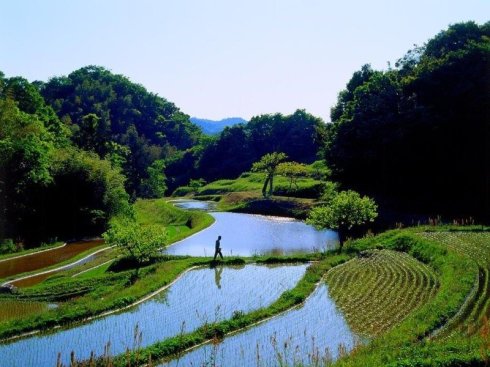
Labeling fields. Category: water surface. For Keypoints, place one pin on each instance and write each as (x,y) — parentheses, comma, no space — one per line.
(36,261)
(195,204)
(199,296)
(309,335)
(13,309)
(248,235)
(38,278)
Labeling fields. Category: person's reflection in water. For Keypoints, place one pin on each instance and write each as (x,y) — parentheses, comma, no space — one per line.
(217,276)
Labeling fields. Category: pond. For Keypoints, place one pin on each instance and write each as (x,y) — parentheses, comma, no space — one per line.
(313,334)
(199,296)
(195,204)
(248,235)
(43,259)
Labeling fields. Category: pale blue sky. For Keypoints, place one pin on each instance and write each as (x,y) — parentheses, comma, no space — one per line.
(223,58)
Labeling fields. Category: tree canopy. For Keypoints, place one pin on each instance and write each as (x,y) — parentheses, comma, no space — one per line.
(238,147)
(345,211)
(109,114)
(416,136)
(48,188)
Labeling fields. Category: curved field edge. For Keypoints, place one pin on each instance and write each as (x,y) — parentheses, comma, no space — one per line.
(179,223)
(379,288)
(172,347)
(99,292)
(21,253)
(54,267)
(408,343)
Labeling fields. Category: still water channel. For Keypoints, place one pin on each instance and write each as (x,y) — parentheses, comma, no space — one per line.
(310,335)
(199,296)
(248,235)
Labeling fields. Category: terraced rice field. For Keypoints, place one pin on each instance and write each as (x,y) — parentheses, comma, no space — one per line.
(11,309)
(476,246)
(379,288)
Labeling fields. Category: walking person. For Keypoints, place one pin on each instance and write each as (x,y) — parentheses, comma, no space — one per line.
(217,248)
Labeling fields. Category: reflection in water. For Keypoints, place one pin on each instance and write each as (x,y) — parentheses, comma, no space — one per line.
(217,276)
(248,235)
(310,335)
(189,303)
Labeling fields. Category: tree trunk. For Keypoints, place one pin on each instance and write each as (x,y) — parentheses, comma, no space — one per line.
(341,232)
(264,188)
(270,184)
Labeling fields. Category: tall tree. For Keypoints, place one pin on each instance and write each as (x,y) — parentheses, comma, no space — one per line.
(268,164)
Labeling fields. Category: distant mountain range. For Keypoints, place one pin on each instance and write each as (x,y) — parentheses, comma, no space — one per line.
(212,127)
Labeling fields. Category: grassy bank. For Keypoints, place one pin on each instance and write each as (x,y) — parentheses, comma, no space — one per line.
(244,194)
(178,223)
(446,280)
(411,343)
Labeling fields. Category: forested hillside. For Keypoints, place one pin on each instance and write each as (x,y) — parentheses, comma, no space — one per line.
(122,121)
(417,135)
(49,188)
(213,127)
(75,149)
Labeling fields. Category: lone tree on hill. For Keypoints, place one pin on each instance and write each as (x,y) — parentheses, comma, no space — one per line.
(268,164)
(345,211)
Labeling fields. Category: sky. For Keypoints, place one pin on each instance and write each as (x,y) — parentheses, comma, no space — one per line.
(224,58)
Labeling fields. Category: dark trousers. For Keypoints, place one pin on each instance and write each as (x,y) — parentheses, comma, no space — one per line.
(216,253)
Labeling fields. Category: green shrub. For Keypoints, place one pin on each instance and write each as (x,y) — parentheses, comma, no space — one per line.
(7,246)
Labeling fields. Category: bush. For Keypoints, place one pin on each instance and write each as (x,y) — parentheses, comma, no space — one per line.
(7,246)
(140,244)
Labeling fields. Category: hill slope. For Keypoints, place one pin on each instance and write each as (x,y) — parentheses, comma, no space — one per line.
(213,127)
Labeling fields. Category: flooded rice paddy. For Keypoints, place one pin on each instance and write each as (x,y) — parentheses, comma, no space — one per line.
(312,334)
(11,309)
(37,278)
(195,205)
(248,235)
(199,296)
(43,259)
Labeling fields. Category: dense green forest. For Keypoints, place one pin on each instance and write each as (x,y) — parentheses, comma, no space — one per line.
(76,149)
(49,188)
(416,136)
